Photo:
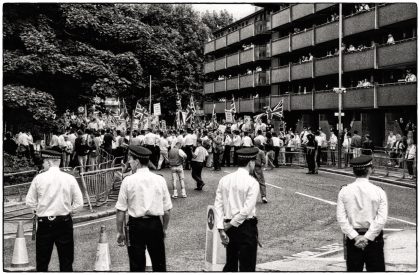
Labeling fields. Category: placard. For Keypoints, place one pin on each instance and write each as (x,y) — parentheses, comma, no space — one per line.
(156,109)
(247,119)
(228,115)
(222,128)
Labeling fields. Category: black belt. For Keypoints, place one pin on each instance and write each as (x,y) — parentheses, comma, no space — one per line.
(54,218)
(146,217)
(247,219)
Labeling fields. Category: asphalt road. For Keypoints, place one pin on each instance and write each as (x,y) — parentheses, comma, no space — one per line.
(300,216)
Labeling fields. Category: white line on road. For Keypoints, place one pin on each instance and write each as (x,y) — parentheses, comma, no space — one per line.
(315,198)
(403,221)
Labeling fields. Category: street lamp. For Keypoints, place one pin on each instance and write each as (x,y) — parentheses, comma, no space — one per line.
(339,91)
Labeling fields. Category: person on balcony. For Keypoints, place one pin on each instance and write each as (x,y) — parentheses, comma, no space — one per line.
(258,69)
(366,83)
(351,48)
(390,40)
(410,77)
(311,57)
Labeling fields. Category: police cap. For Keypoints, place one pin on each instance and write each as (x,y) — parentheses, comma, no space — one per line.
(139,152)
(50,154)
(248,153)
(361,162)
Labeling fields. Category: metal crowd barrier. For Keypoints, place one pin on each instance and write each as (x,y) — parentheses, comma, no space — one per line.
(96,185)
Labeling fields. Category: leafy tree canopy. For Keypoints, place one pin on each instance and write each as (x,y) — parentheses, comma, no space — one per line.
(60,56)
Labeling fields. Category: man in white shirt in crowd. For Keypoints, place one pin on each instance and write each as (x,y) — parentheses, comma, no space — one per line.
(260,137)
(235,201)
(277,143)
(197,163)
(362,211)
(163,150)
(176,160)
(246,140)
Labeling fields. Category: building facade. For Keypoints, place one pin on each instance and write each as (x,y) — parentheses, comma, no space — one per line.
(289,52)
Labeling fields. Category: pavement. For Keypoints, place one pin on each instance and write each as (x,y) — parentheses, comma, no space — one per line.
(399,249)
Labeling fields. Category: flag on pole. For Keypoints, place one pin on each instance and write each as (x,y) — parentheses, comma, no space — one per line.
(190,110)
(140,111)
(213,115)
(123,111)
(233,105)
(178,101)
(277,111)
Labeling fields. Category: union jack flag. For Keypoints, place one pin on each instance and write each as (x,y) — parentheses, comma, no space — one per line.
(277,111)
(191,110)
(232,106)
(140,111)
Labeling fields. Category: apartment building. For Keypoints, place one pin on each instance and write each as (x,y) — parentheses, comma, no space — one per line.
(289,52)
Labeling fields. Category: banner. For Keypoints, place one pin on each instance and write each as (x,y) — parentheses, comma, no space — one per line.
(229,117)
(247,119)
(163,125)
(184,117)
(136,123)
(111,101)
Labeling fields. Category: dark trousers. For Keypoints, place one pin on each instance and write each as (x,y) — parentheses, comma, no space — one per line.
(372,255)
(332,157)
(235,155)
(410,163)
(216,160)
(146,233)
(310,159)
(60,233)
(197,167)
(156,155)
(226,156)
(289,156)
(318,157)
(188,151)
(242,247)
(276,156)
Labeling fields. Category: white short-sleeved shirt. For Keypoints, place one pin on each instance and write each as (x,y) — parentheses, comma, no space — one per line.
(144,193)
(54,193)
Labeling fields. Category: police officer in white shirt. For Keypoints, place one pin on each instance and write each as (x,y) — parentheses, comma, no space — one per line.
(188,147)
(362,211)
(236,197)
(146,197)
(53,196)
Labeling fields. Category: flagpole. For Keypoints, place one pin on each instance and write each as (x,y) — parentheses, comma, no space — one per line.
(150,95)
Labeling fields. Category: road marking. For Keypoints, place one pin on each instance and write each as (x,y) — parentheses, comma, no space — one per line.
(384,183)
(275,186)
(316,198)
(403,221)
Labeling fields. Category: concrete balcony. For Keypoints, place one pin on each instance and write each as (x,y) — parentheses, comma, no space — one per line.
(232,83)
(246,106)
(359,22)
(280,74)
(325,100)
(208,88)
(393,13)
(326,66)
(326,32)
(302,39)
(220,86)
(220,107)
(280,18)
(209,47)
(208,107)
(397,94)
(247,56)
(247,31)
(302,10)
(280,46)
(209,67)
(356,98)
(358,60)
(302,71)
(220,64)
(301,102)
(260,103)
(233,37)
(232,60)
(262,27)
(246,81)
(320,7)
(220,42)
(402,52)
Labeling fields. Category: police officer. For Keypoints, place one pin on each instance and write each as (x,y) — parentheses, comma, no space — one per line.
(54,196)
(311,151)
(362,210)
(146,197)
(236,196)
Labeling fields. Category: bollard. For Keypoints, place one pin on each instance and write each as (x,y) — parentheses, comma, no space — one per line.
(215,253)
(20,261)
(103,258)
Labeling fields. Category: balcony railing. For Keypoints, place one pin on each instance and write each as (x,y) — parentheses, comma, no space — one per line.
(247,31)
(220,42)
(359,22)
(246,81)
(281,17)
(280,46)
(402,52)
(280,74)
(302,39)
(232,83)
(247,56)
(220,64)
(393,13)
(326,32)
(233,37)
(209,47)
(220,86)
(261,78)
(302,10)
(233,60)
(375,96)
(356,61)
(302,71)
(319,6)
(209,88)
(209,67)
(326,66)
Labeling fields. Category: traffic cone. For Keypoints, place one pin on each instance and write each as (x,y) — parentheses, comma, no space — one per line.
(103,259)
(20,261)
(148,262)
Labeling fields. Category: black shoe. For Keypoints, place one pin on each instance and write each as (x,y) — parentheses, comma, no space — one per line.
(309,172)
(264,200)
(198,189)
